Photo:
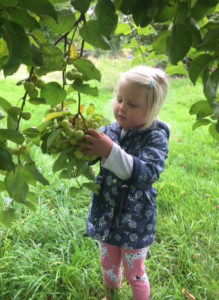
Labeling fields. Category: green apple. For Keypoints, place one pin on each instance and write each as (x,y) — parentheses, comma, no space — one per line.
(79,135)
(65,123)
(29,86)
(33,93)
(73,141)
(39,83)
(69,131)
(78,154)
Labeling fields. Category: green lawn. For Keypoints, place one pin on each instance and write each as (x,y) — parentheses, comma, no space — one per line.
(47,255)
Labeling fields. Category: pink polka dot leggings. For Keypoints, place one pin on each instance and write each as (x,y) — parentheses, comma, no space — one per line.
(111,258)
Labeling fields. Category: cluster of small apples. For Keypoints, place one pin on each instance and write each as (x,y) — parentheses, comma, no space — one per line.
(32,85)
(73,74)
(73,131)
(20,150)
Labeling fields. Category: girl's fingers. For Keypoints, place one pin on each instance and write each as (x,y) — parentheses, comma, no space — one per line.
(93,133)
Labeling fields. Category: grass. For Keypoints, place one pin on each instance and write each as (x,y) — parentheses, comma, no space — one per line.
(47,255)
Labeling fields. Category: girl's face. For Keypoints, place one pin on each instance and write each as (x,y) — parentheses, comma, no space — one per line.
(130,106)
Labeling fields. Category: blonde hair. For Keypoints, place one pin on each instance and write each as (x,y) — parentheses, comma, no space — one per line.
(156,81)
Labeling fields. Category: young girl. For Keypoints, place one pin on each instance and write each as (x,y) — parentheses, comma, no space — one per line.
(132,150)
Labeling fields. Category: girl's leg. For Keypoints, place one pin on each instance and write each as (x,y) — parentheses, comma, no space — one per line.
(134,272)
(110,259)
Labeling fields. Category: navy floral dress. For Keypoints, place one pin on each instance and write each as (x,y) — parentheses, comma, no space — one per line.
(124,212)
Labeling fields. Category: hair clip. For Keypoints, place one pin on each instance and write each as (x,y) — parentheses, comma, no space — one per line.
(151,85)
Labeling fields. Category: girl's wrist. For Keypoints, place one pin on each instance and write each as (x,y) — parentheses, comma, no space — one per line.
(108,149)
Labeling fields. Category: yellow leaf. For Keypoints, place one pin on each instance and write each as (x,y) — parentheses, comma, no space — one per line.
(73,52)
(90,109)
(187,294)
(54,115)
(81,108)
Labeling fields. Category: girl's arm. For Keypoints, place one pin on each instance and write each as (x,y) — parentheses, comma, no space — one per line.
(141,170)
(119,162)
(151,160)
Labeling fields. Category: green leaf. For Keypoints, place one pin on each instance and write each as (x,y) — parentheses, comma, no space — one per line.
(215,107)
(159,45)
(211,86)
(182,12)
(52,58)
(6,163)
(39,35)
(167,10)
(198,65)
(146,31)
(107,18)
(53,93)
(31,132)
(61,162)
(7,217)
(58,1)
(12,122)
(201,122)
(91,33)
(16,185)
(52,136)
(36,173)
(14,48)
(127,6)
(66,20)
(2,186)
(140,13)
(87,68)
(36,56)
(74,190)
(42,127)
(85,88)
(21,16)
(12,135)
(26,54)
(201,109)
(92,187)
(210,41)
(3,51)
(81,166)
(39,7)
(81,5)
(213,131)
(4,104)
(8,3)
(1,115)
(179,43)
(88,173)
(178,69)
(194,30)
(200,9)
(122,28)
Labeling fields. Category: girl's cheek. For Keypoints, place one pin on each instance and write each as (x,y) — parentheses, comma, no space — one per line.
(115,108)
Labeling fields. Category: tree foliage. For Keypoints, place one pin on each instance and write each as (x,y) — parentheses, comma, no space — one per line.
(51,35)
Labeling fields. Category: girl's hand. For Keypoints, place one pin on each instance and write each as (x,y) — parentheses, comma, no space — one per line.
(97,143)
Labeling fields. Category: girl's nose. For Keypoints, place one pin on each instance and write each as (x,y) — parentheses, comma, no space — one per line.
(122,106)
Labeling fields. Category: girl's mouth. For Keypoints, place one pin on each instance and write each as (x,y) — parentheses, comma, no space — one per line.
(121,117)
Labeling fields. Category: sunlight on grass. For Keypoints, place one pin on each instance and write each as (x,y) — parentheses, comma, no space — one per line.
(47,255)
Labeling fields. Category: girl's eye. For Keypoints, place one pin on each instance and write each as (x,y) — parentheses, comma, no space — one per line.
(133,105)
(119,100)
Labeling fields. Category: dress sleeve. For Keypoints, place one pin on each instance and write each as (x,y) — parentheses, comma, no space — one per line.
(150,161)
(119,162)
